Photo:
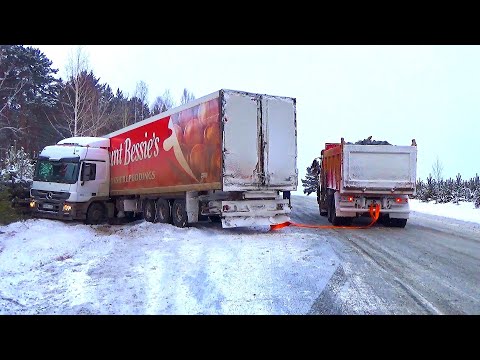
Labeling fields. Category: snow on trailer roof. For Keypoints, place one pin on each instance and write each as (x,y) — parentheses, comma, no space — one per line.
(86,141)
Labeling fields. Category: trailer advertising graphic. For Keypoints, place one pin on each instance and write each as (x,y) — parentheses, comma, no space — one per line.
(181,149)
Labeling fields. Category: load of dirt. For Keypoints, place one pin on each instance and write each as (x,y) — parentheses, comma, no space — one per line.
(369,141)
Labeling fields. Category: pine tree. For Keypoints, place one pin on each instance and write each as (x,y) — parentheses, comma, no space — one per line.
(17,166)
(28,95)
(429,193)
(458,193)
(446,188)
(420,189)
(310,183)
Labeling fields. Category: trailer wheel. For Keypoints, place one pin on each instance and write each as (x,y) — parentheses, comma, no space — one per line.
(149,212)
(164,214)
(179,213)
(95,214)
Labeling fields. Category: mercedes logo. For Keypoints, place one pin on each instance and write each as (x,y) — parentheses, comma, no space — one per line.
(49,195)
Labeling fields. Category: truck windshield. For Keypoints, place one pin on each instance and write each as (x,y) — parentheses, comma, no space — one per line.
(56,171)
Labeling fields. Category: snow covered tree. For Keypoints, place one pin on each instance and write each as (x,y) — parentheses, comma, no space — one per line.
(458,191)
(420,189)
(17,166)
(476,198)
(437,170)
(445,191)
(310,183)
(429,192)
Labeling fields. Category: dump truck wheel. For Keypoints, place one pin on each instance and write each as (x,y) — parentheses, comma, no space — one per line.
(329,208)
(322,211)
(149,211)
(179,213)
(164,214)
(334,218)
(95,214)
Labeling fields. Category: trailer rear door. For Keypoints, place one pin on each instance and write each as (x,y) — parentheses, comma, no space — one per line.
(259,142)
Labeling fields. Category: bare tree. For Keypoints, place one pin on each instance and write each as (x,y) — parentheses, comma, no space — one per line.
(124,112)
(437,170)
(85,102)
(163,103)
(8,95)
(141,93)
(187,96)
(77,98)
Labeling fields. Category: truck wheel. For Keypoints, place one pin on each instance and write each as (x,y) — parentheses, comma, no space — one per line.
(329,208)
(95,214)
(322,211)
(149,212)
(179,213)
(164,215)
(336,221)
(400,223)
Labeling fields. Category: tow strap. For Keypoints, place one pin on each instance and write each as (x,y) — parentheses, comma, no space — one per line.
(373,210)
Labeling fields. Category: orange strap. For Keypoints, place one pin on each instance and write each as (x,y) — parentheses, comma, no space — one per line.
(374,214)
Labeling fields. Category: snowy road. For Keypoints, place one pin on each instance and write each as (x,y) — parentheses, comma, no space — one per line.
(430,267)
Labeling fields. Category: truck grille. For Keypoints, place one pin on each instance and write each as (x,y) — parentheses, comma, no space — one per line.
(53,196)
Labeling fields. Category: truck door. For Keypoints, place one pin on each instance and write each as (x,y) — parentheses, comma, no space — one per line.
(93,180)
(279,138)
(242,168)
(259,147)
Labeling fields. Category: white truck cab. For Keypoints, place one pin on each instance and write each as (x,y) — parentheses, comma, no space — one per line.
(71,176)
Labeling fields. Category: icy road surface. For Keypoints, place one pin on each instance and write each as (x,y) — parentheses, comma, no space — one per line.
(51,267)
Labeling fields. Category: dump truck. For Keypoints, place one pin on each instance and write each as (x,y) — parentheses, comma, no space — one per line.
(230,156)
(354,177)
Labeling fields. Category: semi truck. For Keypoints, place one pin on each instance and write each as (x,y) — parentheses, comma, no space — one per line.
(230,156)
(354,177)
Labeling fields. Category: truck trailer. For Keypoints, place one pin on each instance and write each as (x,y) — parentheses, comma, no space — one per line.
(352,178)
(230,156)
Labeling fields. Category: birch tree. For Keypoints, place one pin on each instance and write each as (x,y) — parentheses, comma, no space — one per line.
(163,103)
(187,96)
(86,104)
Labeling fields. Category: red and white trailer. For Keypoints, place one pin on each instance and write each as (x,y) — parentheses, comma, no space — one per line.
(229,156)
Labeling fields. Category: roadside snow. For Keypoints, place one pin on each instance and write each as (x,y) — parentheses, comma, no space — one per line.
(465,211)
(53,267)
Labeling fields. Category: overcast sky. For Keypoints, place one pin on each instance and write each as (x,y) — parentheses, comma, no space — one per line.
(393,93)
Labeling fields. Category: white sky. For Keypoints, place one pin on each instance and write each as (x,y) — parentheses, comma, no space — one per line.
(145,268)
(393,93)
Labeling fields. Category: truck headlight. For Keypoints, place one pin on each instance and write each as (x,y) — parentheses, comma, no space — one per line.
(67,208)
(32,203)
